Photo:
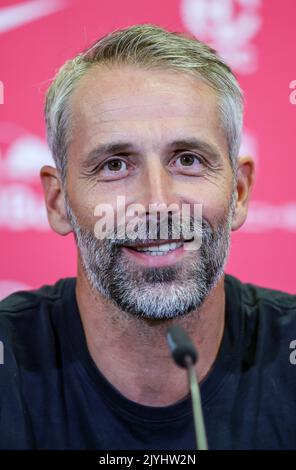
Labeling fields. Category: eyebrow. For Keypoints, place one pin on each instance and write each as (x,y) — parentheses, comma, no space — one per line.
(93,157)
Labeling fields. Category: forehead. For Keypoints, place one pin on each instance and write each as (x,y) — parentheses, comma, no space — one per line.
(107,89)
(130,101)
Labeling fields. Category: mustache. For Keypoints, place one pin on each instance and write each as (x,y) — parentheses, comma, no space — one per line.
(173,231)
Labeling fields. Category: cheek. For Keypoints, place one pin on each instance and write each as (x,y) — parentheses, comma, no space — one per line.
(215,208)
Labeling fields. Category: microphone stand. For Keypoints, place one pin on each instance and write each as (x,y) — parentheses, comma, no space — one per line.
(200,433)
(185,355)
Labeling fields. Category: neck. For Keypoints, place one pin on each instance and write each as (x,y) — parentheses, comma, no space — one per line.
(132,353)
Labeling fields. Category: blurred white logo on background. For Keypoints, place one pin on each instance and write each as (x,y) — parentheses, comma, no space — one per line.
(24,158)
(293,93)
(249,146)
(22,155)
(1,92)
(13,16)
(228,26)
(265,216)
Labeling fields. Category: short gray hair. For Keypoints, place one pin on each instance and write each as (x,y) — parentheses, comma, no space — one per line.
(148,46)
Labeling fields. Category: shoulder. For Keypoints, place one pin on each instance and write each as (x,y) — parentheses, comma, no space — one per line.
(257,298)
(267,327)
(267,317)
(30,323)
(21,301)
(27,315)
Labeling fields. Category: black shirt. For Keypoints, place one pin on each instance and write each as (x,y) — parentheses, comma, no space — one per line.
(52,395)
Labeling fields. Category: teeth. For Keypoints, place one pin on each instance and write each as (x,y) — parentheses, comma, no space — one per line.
(159,250)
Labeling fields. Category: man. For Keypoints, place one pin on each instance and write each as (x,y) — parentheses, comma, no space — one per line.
(155,118)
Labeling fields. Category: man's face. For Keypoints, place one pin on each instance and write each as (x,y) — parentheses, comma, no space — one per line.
(170,149)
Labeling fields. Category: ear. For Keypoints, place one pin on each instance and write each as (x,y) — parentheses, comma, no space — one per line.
(244,185)
(54,200)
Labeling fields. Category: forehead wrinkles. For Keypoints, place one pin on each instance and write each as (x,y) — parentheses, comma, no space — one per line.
(169,95)
(200,112)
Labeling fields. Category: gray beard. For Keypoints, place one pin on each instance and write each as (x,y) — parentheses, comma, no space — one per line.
(161,293)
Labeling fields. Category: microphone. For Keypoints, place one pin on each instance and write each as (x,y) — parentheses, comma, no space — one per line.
(185,355)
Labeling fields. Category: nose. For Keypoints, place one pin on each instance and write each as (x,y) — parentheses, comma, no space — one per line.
(157,187)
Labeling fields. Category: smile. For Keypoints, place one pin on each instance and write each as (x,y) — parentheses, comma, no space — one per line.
(156,254)
(160,249)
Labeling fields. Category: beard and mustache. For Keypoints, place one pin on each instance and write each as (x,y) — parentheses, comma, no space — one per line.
(158,293)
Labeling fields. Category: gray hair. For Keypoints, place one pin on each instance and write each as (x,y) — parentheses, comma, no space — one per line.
(151,47)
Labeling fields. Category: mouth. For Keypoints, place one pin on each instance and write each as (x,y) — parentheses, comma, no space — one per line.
(156,253)
(155,248)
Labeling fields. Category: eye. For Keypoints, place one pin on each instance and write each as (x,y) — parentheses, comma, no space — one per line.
(189,162)
(114,165)
(112,169)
